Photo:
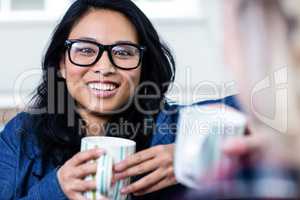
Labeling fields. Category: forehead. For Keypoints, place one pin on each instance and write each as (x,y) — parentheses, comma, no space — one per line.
(105,26)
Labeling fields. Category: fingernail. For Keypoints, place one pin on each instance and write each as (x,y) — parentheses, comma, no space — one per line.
(124,190)
(118,167)
(118,176)
(113,182)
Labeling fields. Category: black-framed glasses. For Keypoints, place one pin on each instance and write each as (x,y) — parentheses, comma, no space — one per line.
(122,55)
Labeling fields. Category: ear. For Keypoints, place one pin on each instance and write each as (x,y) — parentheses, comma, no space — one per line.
(62,67)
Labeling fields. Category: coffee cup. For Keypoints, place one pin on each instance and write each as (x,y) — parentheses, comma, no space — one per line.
(116,150)
(200,135)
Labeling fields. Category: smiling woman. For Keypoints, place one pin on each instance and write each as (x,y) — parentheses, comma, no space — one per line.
(105,69)
(95,73)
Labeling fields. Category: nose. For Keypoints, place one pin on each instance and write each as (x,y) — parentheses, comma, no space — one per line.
(104,65)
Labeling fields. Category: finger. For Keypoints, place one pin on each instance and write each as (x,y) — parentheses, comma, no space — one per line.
(83,186)
(85,169)
(144,182)
(85,156)
(242,146)
(140,169)
(136,159)
(78,196)
(155,187)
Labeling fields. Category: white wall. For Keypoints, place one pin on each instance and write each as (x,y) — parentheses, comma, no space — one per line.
(197,44)
(22,46)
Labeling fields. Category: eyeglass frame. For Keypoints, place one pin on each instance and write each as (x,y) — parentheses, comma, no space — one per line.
(102,48)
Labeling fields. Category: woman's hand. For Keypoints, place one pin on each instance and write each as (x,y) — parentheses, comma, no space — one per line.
(71,174)
(156,161)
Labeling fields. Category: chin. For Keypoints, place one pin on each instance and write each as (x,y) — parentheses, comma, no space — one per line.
(105,106)
(105,109)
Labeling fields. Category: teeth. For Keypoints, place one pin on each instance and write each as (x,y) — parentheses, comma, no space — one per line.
(102,86)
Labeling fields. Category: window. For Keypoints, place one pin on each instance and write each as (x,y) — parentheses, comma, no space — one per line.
(171,8)
(16,5)
(21,10)
(35,10)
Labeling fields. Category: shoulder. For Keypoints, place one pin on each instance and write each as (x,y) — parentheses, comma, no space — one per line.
(18,133)
(14,128)
(229,101)
(170,110)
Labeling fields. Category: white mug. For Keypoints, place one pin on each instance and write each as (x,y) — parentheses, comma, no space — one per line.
(201,131)
(116,150)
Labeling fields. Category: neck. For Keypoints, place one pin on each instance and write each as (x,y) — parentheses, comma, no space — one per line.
(95,123)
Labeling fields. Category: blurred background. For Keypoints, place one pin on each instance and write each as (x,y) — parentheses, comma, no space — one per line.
(192,29)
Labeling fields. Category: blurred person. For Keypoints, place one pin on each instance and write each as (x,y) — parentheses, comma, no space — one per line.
(105,68)
(262,48)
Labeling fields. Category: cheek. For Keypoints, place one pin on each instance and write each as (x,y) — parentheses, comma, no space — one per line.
(74,78)
(74,73)
(131,79)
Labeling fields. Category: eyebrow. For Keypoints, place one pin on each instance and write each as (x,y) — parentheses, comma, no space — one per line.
(94,40)
(88,38)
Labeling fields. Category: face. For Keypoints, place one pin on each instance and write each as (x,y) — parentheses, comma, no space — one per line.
(101,88)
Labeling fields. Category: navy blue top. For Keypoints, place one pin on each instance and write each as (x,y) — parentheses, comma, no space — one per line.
(24,176)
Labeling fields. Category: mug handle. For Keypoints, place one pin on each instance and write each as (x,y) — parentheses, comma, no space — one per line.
(104,174)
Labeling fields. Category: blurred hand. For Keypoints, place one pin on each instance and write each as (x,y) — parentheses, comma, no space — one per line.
(71,175)
(156,161)
(263,143)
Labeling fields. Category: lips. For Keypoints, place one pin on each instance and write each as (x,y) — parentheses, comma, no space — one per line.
(103,89)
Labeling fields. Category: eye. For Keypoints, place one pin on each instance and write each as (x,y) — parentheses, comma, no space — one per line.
(86,51)
(124,52)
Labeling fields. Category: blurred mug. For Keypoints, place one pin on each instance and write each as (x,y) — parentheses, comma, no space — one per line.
(201,131)
(116,150)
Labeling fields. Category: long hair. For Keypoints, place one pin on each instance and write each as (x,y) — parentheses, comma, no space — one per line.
(58,129)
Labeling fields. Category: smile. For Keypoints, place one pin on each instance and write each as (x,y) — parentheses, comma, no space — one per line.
(103,86)
(103,90)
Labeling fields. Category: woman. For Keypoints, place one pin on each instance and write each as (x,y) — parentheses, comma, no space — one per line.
(105,72)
